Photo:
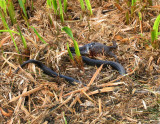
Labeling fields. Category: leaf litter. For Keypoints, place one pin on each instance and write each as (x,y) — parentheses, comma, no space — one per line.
(32,97)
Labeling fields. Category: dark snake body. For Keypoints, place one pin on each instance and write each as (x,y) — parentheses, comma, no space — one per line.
(84,50)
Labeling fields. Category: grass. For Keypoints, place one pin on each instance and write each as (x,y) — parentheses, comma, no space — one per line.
(21,3)
(54,2)
(155,33)
(133,5)
(3,19)
(65,5)
(78,55)
(69,32)
(20,34)
(3,6)
(65,120)
(88,4)
(61,11)
(140,20)
(127,17)
(82,5)
(79,108)
(11,11)
(10,32)
(35,31)
(69,52)
(22,38)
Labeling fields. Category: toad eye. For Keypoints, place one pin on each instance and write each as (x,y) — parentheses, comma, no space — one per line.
(92,44)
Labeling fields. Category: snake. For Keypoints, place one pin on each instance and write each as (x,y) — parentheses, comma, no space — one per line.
(88,49)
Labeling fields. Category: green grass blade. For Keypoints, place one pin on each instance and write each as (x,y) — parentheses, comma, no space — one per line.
(61,11)
(38,35)
(127,17)
(55,7)
(23,8)
(76,48)
(65,5)
(11,11)
(88,4)
(24,1)
(69,52)
(65,120)
(22,38)
(133,6)
(140,16)
(68,31)
(3,18)
(156,25)
(32,6)
(70,34)
(49,3)
(153,35)
(9,32)
(3,6)
(133,2)
(82,5)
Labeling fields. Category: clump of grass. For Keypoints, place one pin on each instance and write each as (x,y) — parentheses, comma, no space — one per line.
(61,11)
(69,32)
(88,4)
(11,11)
(25,50)
(22,5)
(82,5)
(20,33)
(3,18)
(65,5)
(10,32)
(155,33)
(78,55)
(3,6)
(53,4)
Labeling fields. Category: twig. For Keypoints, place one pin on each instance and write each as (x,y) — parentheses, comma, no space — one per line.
(105,84)
(106,89)
(27,93)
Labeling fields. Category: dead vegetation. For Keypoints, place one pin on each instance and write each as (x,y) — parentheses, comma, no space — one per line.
(32,97)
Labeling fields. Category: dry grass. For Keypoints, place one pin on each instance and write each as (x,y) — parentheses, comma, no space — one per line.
(32,97)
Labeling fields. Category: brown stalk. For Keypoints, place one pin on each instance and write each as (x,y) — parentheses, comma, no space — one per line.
(27,93)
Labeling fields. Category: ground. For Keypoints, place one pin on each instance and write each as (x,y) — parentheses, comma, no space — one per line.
(30,96)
